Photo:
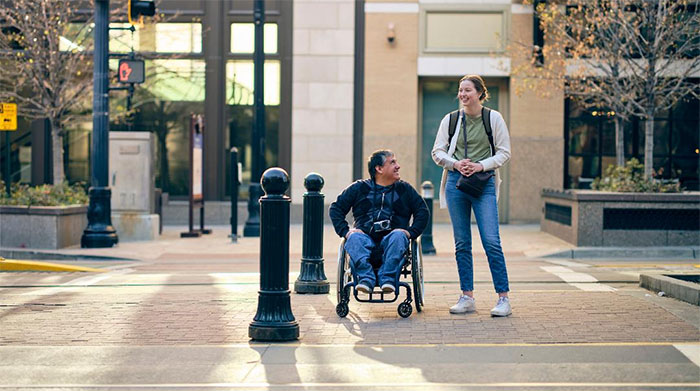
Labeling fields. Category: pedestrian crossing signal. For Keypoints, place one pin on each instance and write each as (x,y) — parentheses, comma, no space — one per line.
(131,71)
(138,8)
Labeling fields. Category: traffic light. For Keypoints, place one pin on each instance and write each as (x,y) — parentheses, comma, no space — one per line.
(138,8)
(131,71)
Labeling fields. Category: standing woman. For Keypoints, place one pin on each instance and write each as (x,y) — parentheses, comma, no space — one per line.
(467,152)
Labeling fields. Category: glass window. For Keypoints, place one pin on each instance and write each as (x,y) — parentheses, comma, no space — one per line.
(685,138)
(608,134)
(160,37)
(174,88)
(675,144)
(240,82)
(243,38)
(121,41)
(76,36)
(687,109)
(583,136)
(76,148)
(581,171)
(240,86)
(176,79)
(661,138)
(178,38)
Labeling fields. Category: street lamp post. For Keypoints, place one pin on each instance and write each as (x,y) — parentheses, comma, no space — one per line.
(99,231)
(252,224)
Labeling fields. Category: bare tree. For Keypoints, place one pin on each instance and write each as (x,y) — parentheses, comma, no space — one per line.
(664,48)
(46,66)
(634,57)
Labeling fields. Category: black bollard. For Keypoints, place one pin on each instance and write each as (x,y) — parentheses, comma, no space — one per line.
(274,320)
(427,238)
(235,182)
(312,278)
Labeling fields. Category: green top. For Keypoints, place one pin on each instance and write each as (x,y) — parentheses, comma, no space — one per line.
(478,147)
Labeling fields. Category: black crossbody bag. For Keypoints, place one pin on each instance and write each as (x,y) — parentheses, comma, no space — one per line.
(475,184)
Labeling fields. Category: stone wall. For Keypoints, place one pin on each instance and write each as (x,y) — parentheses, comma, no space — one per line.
(322,97)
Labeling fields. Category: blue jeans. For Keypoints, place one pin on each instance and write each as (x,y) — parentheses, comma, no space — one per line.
(359,247)
(460,205)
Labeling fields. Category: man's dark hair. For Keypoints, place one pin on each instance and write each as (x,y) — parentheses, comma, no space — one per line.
(378,158)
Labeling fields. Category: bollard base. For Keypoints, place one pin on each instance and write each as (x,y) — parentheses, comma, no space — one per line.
(260,331)
(103,239)
(314,287)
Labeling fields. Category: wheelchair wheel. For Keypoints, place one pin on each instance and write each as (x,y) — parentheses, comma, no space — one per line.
(342,309)
(344,274)
(417,274)
(405,310)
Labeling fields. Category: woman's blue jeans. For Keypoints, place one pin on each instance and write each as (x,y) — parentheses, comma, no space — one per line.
(460,205)
(359,246)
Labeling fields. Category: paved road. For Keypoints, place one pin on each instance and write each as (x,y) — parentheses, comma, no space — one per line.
(177,318)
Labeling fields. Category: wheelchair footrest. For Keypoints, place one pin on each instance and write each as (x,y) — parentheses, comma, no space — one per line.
(383,297)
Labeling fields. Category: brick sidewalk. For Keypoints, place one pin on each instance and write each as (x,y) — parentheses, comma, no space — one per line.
(220,314)
(204,292)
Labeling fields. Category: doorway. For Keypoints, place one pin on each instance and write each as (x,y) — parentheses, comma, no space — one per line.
(438,96)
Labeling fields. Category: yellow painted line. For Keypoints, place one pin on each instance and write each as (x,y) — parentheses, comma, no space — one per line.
(17,265)
(359,385)
(645,265)
(462,345)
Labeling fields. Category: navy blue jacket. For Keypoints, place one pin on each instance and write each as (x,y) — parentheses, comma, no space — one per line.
(409,204)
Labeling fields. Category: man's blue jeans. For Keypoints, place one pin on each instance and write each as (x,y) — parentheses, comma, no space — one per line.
(359,247)
(460,204)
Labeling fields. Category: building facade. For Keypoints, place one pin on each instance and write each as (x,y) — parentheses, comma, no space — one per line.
(346,77)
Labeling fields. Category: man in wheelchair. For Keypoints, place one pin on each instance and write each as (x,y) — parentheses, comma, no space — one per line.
(382,207)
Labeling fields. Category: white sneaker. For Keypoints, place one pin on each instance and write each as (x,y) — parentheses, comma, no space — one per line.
(388,288)
(502,308)
(361,287)
(464,305)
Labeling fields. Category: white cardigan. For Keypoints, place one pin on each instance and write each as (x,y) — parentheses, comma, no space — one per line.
(442,151)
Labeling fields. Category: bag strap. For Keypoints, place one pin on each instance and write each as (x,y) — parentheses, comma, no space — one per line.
(454,116)
(485,117)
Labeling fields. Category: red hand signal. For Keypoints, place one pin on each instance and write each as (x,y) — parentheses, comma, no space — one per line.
(124,71)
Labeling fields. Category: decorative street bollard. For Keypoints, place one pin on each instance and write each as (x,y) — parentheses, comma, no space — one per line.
(427,238)
(274,320)
(312,278)
(235,182)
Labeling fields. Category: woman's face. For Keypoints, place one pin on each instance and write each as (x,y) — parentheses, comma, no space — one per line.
(467,93)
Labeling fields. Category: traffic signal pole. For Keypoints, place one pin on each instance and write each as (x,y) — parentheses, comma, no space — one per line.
(252,225)
(100,232)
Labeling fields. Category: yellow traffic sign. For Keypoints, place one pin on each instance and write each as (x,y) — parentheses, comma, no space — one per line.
(8,116)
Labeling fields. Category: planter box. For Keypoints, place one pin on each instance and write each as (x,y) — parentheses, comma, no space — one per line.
(603,219)
(48,227)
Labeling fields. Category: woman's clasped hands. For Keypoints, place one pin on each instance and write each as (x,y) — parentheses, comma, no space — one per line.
(466,167)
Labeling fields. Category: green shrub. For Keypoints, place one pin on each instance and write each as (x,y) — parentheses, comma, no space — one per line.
(44,195)
(630,178)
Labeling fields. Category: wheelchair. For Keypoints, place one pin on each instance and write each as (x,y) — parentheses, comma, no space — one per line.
(412,265)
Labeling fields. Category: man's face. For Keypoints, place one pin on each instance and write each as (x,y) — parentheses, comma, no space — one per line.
(389,172)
